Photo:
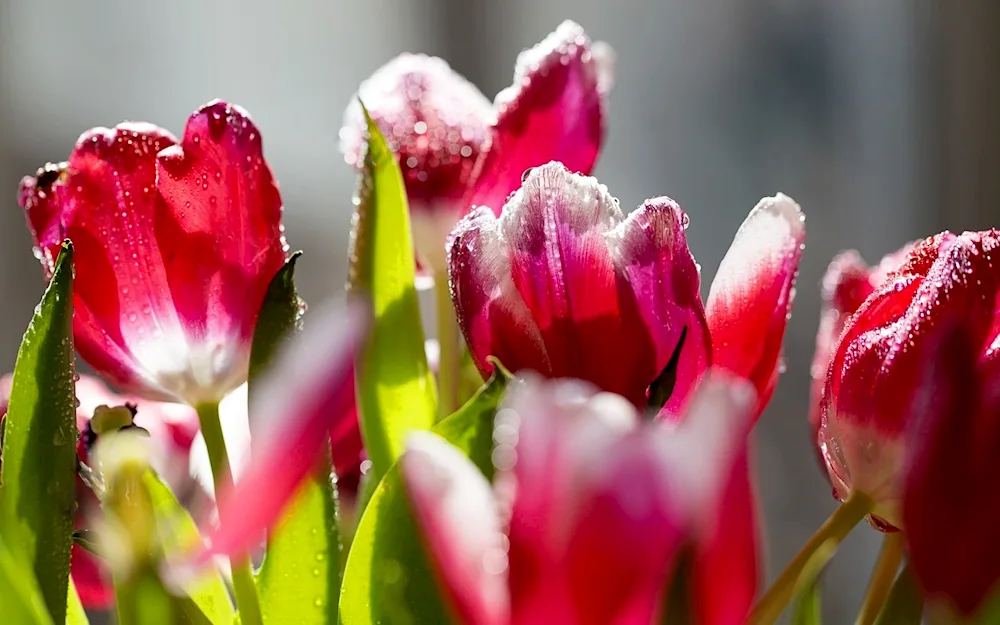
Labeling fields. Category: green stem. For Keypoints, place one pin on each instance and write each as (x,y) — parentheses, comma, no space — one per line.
(450,360)
(840,523)
(882,578)
(244,589)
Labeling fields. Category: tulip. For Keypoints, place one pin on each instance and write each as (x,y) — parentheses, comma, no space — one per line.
(950,508)
(565,284)
(456,149)
(874,372)
(847,284)
(590,507)
(172,429)
(176,243)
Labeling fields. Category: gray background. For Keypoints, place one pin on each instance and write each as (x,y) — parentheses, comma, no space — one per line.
(880,118)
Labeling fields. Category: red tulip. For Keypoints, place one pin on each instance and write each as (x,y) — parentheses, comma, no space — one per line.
(847,284)
(875,369)
(172,428)
(950,508)
(176,243)
(590,509)
(456,149)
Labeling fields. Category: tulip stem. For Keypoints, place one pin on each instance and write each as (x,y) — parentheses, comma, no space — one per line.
(833,530)
(449,363)
(882,577)
(244,588)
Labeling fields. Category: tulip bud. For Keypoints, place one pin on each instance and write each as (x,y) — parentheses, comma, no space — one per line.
(874,371)
(456,149)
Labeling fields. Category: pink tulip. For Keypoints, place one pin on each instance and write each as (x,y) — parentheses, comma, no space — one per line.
(456,149)
(590,505)
(172,428)
(176,243)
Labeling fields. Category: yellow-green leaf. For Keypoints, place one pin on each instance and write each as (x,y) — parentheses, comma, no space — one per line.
(38,492)
(388,578)
(75,614)
(178,533)
(396,390)
(21,600)
(301,572)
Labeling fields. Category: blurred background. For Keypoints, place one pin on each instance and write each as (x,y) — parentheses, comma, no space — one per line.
(881,118)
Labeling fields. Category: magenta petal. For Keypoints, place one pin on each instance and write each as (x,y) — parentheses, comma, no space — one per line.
(950,507)
(751,297)
(552,432)
(628,532)
(554,111)
(311,384)
(492,315)
(460,522)
(93,585)
(650,250)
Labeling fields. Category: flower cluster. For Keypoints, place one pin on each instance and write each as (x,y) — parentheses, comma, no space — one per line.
(574,448)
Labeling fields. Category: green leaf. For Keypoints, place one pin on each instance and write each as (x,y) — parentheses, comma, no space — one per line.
(21,599)
(301,573)
(396,389)
(38,492)
(905,605)
(75,614)
(280,316)
(388,578)
(178,533)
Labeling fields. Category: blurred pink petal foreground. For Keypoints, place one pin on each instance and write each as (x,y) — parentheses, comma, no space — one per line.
(456,149)
(172,428)
(584,542)
(176,243)
(875,370)
(310,385)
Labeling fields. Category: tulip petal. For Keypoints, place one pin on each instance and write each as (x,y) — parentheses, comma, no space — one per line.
(38,196)
(650,250)
(92,584)
(708,454)
(553,111)
(455,508)
(220,257)
(108,201)
(493,317)
(950,506)
(751,297)
(556,226)
(310,384)
(547,438)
